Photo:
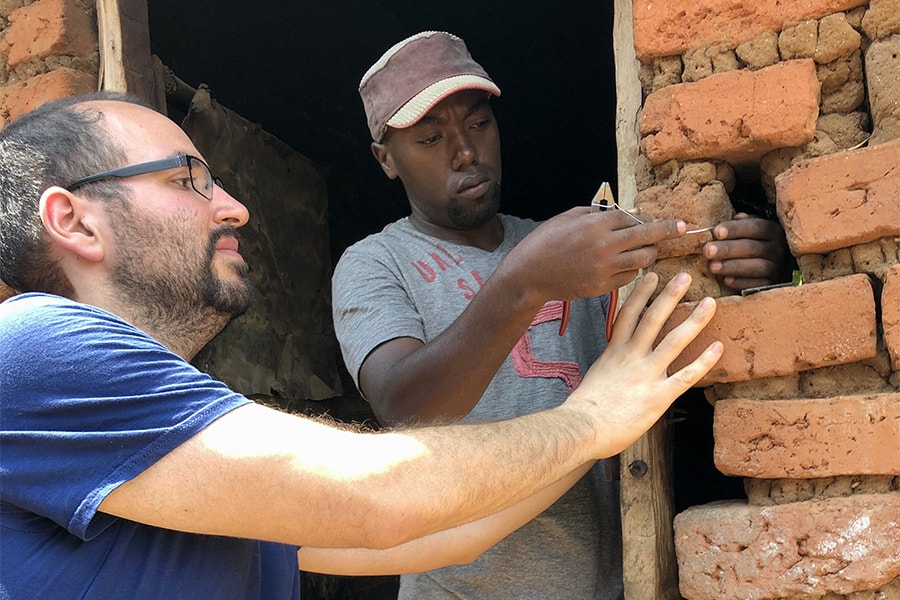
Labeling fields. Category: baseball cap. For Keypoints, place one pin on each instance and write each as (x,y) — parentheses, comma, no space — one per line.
(414,75)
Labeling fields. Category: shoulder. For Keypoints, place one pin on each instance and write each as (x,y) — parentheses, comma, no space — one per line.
(44,325)
(45,312)
(387,247)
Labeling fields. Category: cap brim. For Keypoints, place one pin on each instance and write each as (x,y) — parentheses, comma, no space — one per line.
(419,105)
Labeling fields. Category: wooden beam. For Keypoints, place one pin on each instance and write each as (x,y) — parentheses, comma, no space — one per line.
(648,547)
(126,64)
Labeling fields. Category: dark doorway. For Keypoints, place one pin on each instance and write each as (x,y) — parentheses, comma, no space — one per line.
(293,67)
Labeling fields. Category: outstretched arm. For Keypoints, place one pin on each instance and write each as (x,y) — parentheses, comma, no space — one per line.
(574,255)
(456,546)
(261,474)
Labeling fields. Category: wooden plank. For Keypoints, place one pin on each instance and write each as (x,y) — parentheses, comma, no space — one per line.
(648,545)
(126,64)
(650,570)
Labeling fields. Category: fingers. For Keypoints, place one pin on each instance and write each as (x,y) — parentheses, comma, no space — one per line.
(656,315)
(747,227)
(674,343)
(688,376)
(631,310)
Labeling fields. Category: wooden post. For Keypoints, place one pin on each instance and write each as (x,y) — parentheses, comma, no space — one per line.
(126,64)
(648,545)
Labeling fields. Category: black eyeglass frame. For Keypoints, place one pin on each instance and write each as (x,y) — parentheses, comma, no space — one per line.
(153,166)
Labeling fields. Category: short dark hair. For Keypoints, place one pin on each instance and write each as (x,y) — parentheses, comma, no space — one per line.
(54,144)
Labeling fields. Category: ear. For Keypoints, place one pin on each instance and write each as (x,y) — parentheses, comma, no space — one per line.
(383,155)
(72,223)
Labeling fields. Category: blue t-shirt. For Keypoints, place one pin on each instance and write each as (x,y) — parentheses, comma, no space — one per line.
(88,402)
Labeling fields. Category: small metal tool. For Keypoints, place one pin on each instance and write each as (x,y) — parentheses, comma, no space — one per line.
(710,228)
(603,200)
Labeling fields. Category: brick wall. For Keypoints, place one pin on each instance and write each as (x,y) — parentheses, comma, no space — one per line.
(48,50)
(794,106)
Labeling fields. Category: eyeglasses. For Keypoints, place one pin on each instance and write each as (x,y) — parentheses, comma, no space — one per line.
(202,179)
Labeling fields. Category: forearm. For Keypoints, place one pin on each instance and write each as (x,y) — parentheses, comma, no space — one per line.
(260,474)
(444,379)
(455,546)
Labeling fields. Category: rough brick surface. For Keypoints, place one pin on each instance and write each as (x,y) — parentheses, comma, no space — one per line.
(47,28)
(804,439)
(737,116)
(786,330)
(882,19)
(882,75)
(732,551)
(669,27)
(18,98)
(769,492)
(699,207)
(841,200)
(890,314)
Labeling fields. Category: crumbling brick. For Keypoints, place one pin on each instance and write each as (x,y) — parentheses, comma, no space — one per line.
(841,200)
(737,116)
(48,28)
(734,551)
(882,75)
(671,27)
(768,492)
(803,438)
(699,207)
(786,330)
(18,98)
(890,314)
(882,19)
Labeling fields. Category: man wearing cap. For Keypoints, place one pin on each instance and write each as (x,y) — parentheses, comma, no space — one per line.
(453,313)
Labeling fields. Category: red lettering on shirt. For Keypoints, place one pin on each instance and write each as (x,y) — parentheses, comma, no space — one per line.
(468,289)
(456,259)
(425,271)
(442,264)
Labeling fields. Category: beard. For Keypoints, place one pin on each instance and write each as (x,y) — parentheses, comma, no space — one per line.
(472,218)
(157,272)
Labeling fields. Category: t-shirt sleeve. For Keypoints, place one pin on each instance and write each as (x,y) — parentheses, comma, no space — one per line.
(370,304)
(89,402)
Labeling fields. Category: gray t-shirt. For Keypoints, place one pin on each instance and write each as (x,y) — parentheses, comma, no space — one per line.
(403,283)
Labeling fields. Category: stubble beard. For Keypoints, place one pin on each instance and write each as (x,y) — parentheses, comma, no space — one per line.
(467,218)
(172,290)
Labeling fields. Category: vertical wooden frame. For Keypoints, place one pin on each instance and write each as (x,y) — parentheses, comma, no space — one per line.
(650,568)
(126,64)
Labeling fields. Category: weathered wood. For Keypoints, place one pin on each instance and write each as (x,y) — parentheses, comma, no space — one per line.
(126,64)
(650,568)
(648,546)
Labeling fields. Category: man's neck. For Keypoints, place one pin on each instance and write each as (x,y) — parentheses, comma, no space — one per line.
(184,332)
(487,237)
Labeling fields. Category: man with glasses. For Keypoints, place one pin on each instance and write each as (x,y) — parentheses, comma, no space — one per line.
(199,175)
(127,473)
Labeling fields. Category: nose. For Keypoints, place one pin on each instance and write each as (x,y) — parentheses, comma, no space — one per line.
(228,209)
(464,151)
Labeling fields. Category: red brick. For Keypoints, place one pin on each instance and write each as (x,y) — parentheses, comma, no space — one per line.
(18,98)
(841,200)
(48,28)
(669,27)
(697,206)
(786,330)
(732,551)
(890,314)
(808,438)
(736,116)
